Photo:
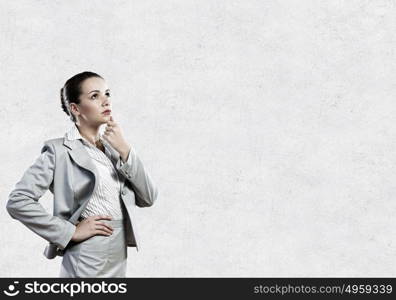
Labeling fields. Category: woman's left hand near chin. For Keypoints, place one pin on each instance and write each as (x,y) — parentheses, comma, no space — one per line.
(113,134)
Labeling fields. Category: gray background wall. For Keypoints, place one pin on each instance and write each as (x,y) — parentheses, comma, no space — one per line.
(268,127)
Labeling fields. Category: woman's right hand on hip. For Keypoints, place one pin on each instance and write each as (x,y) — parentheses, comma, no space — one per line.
(92,226)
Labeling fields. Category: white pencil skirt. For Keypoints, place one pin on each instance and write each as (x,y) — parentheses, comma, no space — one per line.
(98,256)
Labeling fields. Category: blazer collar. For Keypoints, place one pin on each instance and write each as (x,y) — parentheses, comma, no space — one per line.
(75,144)
(73,138)
(74,141)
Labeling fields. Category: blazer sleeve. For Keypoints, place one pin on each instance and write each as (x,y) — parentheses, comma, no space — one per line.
(146,192)
(23,202)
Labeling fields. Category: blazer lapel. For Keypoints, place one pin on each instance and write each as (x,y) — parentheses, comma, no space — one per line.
(115,156)
(81,157)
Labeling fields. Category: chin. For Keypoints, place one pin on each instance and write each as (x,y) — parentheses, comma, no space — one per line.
(102,121)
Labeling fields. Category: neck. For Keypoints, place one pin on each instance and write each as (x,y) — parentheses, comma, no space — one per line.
(90,133)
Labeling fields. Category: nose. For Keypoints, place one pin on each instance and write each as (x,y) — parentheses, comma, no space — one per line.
(106,101)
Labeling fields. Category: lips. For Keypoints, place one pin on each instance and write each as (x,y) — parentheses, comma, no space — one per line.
(107,111)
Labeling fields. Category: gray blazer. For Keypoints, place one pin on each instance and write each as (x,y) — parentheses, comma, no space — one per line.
(65,168)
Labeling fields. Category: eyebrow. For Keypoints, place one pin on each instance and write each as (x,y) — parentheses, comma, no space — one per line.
(108,90)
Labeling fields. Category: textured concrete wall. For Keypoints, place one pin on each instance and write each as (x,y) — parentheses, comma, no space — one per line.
(267,125)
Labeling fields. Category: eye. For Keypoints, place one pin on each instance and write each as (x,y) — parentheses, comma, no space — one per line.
(108,94)
(94,96)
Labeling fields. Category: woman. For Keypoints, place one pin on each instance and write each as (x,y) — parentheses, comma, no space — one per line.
(97,181)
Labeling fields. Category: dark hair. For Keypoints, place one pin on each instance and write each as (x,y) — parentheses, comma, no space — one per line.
(71,91)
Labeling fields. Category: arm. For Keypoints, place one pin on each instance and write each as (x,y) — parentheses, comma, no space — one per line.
(133,170)
(23,202)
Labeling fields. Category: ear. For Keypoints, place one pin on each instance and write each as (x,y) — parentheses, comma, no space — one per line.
(74,108)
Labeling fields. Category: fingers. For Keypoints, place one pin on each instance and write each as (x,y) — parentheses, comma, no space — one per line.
(111,122)
(109,130)
(101,232)
(108,134)
(102,217)
(101,226)
(105,225)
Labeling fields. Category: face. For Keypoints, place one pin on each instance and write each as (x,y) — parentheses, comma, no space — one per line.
(94,100)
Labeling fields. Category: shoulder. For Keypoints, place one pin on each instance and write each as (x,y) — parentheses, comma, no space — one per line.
(55,141)
(55,144)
